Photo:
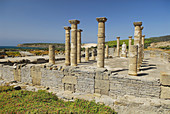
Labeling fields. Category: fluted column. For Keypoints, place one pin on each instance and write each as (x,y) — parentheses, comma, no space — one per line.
(141,48)
(118,46)
(86,54)
(101,41)
(137,40)
(107,51)
(133,60)
(79,45)
(52,54)
(130,42)
(67,45)
(74,41)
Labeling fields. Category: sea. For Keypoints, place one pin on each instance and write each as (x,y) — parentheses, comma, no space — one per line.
(15,47)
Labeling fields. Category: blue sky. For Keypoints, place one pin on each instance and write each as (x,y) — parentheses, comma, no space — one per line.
(43,21)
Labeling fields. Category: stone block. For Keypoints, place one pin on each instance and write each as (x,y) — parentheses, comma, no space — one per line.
(102,84)
(165,79)
(97,91)
(165,92)
(69,87)
(70,79)
(104,91)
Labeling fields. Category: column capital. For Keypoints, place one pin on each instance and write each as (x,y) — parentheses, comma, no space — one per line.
(101,19)
(130,37)
(79,30)
(141,27)
(74,21)
(67,28)
(137,23)
(143,35)
(118,37)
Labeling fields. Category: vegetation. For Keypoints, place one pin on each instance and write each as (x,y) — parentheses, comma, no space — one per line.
(13,54)
(19,101)
(148,41)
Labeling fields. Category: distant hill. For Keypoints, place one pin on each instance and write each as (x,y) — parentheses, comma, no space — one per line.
(148,41)
(42,45)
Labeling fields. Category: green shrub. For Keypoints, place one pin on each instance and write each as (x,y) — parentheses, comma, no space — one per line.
(19,101)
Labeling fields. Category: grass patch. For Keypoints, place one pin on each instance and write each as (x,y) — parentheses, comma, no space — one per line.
(19,101)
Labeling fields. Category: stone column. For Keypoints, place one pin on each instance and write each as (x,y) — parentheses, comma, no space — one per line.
(141,48)
(143,43)
(74,41)
(130,42)
(118,46)
(101,41)
(137,40)
(93,56)
(86,54)
(133,60)
(52,54)
(79,45)
(107,51)
(67,45)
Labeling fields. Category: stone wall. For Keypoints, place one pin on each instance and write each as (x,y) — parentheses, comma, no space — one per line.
(158,54)
(82,80)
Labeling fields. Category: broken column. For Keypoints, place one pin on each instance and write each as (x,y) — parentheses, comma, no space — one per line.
(101,41)
(86,54)
(52,54)
(107,51)
(118,46)
(93,56)
(79,45)
(143,43)
(130,41)
(133,60)
(137,40)
(74,41)
(67,45)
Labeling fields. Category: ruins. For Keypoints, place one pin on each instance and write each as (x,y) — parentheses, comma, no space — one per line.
(137,83)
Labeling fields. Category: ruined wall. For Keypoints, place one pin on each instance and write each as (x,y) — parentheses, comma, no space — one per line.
(82,80)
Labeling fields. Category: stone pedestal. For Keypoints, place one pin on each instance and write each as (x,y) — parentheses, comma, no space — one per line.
(79,45)
(93,56)
(130,42)
(133,60)
(74,41)
(67,45)
(107,51)
(101,41)
(86,54)
(137,40)
(118,46)
(51,54)
(124,53)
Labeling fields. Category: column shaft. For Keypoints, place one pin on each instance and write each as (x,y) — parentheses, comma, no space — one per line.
(52,54)
(107,51)
(118,46)
(74,41)
(101,42)
(86,54)
(137,41)
(67,45)
(130,42)
(133,60)
(93,56)
(79,46)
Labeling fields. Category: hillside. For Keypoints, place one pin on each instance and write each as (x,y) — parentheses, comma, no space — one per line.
(42,45)
(148,41)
